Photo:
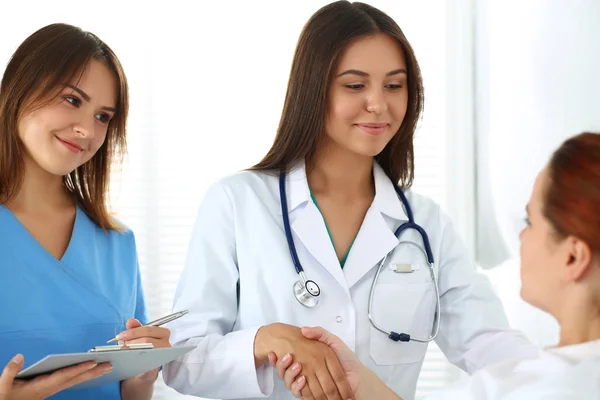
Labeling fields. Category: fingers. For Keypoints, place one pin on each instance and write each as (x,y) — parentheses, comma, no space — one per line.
(291,373)
(315,388)
(55,382)
(98,371)
(286,371)
(319,334)
(297,387)
(150,376)
(144,332)
(10,372)
(282,365)
(308,392)
(154,342)
(328,385)
(132,323)
(339,377)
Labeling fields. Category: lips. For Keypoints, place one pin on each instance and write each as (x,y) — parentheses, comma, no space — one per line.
(373,128)
(74,147)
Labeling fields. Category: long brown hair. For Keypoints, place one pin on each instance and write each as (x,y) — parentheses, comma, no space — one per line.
(302,123)
(572,196)
(35,75)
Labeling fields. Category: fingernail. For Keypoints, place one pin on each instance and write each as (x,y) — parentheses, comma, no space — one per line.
(286,358)
(93,365)
(121,336)
(107,370)
(300,380)
(18,359)
(295,367)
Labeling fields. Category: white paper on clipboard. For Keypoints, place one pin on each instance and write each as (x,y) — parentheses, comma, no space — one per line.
(126,363)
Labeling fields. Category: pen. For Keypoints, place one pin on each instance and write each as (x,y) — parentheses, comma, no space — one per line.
(160,321)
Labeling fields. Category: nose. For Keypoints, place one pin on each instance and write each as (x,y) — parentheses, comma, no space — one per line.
(376,102)
(84,128)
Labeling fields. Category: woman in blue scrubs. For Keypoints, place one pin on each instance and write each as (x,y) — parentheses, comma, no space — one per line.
(69,276)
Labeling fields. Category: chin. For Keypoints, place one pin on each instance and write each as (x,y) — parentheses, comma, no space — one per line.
(369,151)
(60,170)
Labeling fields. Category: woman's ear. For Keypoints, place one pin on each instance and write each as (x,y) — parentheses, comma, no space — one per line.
(580,258)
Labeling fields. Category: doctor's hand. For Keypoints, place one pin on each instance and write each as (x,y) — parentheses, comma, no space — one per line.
(45,386)
(364,383)
(324,377)
(136,333)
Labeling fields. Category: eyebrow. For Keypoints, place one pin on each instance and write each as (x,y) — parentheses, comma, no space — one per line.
(87,98)
(362,73)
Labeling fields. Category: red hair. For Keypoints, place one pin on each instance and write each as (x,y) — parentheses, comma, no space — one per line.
(572,201)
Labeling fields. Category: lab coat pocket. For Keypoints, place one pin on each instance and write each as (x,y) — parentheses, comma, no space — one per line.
(403,308)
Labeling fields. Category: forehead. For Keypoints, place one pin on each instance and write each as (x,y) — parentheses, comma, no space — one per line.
(372,54)
(99,82)
(539,188)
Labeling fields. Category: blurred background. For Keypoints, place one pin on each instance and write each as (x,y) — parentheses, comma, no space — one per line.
(505,83)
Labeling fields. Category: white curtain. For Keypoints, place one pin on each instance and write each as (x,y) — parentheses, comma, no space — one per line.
(207,84)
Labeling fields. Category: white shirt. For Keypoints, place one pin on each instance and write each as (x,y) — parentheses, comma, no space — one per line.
(239,238)
(564,373)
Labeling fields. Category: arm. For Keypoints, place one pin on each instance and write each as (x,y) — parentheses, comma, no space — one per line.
(223,364)
(230,363)
(474,330)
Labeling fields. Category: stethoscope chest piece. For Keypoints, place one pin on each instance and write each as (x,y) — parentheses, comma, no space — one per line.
(307,294)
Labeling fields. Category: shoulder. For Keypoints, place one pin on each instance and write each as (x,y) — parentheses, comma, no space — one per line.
(122,238)
(426,210)
(244,186)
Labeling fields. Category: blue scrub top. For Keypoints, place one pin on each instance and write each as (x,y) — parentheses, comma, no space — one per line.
(49,306)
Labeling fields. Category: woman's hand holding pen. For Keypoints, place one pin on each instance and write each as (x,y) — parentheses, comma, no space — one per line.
(47,385)
(142,386)
(136,333)
(325,378)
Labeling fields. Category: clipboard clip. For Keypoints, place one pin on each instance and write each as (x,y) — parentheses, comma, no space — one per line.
(125,347)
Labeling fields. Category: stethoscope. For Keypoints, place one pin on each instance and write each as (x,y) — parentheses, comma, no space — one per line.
(307,292)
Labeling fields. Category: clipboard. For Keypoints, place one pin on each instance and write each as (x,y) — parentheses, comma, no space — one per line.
(127,362)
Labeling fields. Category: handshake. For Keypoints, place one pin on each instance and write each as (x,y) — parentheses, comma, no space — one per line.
(315,364)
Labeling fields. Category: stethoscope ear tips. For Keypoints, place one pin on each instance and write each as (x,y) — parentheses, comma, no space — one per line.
(307,295)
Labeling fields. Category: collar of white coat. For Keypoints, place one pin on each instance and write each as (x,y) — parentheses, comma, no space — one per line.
(386,199)
(580,351)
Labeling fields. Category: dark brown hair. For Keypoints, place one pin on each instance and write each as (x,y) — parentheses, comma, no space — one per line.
(36,73)
(572,197)
(321,42)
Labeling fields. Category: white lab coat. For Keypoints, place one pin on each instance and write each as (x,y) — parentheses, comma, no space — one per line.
(238,238)
(564,373)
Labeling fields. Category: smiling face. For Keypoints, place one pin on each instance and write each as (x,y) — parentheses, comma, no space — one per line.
(68,132)
(368,95)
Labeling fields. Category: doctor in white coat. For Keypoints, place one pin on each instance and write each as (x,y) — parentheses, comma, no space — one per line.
(560,274)
(345,140)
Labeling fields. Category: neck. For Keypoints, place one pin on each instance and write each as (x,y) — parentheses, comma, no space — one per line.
(340,172)
(580,322)
(40,191)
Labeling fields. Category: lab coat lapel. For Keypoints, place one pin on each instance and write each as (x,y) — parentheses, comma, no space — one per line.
(308,225)
(376,236)
(374,240)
